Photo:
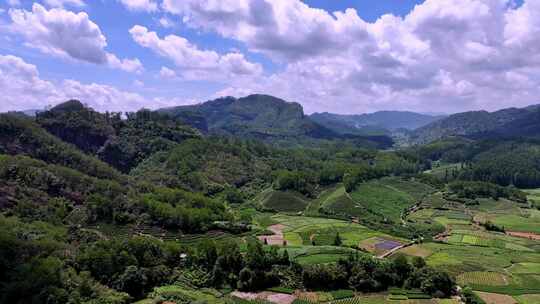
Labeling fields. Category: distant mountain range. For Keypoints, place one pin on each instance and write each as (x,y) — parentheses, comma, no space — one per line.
(266,117)
(275,120)
(382,122)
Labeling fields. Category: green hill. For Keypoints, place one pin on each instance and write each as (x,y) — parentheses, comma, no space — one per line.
(510,122)
(262,117)
(123,143)
(20,135)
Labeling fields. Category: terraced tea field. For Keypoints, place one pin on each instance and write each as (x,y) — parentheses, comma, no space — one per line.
(317,257)
(482,278)
(284,201)
(382,299)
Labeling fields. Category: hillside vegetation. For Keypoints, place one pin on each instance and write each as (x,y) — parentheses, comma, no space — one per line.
(197,203)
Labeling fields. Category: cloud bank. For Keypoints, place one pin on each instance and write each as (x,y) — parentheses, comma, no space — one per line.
(445,55)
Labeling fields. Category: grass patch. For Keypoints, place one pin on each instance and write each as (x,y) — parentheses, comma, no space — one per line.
(342,294)
(528,299)
(526,268)
(528,221)
(285,201)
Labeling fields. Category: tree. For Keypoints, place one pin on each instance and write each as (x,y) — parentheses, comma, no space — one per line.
(285,260)
(402,268)
(246,279)
(471,297)
(361,280)
(436,283)
(133,280)
(418,262)
(337,240)
(233,196)
(255,257)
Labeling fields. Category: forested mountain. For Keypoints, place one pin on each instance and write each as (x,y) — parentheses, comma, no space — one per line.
(381,122)
(261,117)
(122,143)
(482,124)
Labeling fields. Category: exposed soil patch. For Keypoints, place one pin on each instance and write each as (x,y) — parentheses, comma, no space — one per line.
(495,298)
(275,239)
(525,235)
(273,297)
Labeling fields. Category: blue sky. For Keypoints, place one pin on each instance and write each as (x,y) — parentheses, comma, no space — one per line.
(432,56)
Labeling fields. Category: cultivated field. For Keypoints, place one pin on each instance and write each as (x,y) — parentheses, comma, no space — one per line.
(495,298)
(482,278)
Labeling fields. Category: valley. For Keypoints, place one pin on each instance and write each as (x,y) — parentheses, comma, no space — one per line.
(153,208)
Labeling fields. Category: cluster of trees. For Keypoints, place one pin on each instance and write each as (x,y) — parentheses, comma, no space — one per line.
(140,135)
(492,227)
(178,209)
(473,190)
(367,274)
(506,162)
(37,266)
(384,164)
(361,174)
(37,191)
(210,165)
(299,181)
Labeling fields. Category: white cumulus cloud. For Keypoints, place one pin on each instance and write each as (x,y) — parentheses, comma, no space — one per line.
(140,5)
(22,88)
(192,62)
(444,55)
(167,73)
(66,34)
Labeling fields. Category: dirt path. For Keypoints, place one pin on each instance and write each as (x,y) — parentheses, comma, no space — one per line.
(443,235)
(525,235)
(272,297)
(495,298)
(275,239)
